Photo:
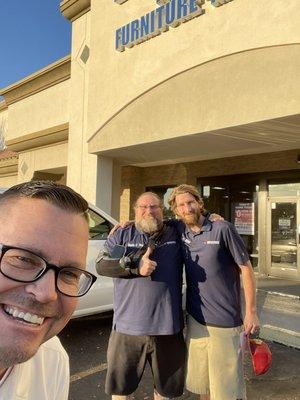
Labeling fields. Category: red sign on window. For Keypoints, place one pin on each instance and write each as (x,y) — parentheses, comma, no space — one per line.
(244,218)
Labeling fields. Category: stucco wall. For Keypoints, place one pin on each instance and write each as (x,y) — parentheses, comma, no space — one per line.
(40,111)
(231,91)
(7,181)
(43,159)
(82,169)
(237,26)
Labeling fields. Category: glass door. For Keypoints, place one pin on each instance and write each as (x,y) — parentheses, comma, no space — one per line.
(284,231)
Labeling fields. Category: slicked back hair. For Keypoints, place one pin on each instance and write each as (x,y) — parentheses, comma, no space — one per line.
(182,189)
(56,194)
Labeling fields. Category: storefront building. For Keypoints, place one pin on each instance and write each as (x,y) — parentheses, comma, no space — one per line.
(158,93)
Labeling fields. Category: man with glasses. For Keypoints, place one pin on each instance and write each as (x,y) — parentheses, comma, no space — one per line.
(43,247)
(148,321)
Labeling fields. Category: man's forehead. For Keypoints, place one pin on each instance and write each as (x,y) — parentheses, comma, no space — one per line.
(29,223)
(15,205)
(185,196)
(38,211)
(148,198)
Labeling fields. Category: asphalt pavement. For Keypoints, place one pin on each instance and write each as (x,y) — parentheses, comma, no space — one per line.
(86,341)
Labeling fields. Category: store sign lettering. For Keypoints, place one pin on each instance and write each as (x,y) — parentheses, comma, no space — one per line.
(170,13)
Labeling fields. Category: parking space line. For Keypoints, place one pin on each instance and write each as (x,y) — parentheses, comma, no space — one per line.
(91,371)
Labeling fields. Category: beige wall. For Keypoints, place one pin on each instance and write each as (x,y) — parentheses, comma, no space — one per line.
(86,172)
(44,159)
(40,111)
(78,157)
(228,92)
(8,172)
(7,181)
(236,27)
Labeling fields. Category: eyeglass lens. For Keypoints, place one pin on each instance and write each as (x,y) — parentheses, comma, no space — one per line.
(151,207)
(24,266)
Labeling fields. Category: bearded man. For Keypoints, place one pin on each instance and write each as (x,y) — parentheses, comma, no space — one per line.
(215,260)
(148,321)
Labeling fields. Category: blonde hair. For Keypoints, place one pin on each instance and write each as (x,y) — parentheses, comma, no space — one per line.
(182,189)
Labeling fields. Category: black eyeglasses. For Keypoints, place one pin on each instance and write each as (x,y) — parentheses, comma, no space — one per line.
(151,207)
(22,265)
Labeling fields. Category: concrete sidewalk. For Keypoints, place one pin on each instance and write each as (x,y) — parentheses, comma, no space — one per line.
(281,382)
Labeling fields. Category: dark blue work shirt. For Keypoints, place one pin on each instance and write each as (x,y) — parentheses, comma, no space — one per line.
(212,258)
(150,305)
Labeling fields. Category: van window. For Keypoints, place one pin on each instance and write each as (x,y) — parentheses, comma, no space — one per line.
(99,227)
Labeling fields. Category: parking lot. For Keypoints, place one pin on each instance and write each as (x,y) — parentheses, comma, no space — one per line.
(86,341)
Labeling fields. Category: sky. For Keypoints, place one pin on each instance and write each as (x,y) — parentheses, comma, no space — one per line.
(33,34)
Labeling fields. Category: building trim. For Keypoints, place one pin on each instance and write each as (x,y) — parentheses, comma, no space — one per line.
(73,9)
(3,105)
(51,75)
(34,140)
(9,166)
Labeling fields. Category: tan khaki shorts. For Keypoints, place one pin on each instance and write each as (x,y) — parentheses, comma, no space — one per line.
(214,363)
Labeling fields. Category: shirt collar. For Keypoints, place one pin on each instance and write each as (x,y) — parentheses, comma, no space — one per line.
(206,227)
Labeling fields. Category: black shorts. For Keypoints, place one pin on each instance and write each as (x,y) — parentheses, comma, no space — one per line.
(127,356)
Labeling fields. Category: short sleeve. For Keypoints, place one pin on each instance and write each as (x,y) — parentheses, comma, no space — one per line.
(235,244)
(116,238)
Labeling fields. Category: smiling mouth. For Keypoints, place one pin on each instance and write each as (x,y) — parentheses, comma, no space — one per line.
(23,316)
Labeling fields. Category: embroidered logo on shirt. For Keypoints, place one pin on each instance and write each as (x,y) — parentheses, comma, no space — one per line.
(213,242)
(166,243)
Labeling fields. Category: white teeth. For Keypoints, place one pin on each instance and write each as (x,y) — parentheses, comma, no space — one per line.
(27,317)
(32,318)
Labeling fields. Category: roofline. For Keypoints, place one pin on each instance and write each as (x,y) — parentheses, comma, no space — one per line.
(73,9)
(50,75)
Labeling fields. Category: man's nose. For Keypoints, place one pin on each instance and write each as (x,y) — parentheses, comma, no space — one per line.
(149,210)
(44,289)
(187,208)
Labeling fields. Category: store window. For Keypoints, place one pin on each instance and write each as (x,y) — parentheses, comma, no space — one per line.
(163,192)
(284,190)
(236,200)
(284,198)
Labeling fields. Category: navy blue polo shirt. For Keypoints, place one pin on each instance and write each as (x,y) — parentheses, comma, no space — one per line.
(212,258)
(150,305)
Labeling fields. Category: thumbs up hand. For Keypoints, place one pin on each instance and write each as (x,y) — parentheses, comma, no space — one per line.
(147,266)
